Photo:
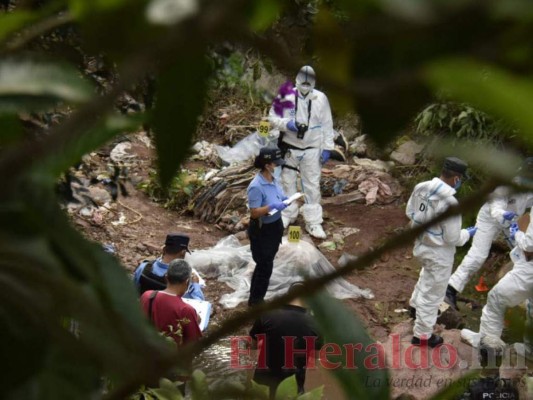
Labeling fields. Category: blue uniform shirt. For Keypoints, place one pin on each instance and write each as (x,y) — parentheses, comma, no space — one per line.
(262,192)
(160,269)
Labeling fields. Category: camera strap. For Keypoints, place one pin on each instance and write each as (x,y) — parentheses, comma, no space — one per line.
(308,110)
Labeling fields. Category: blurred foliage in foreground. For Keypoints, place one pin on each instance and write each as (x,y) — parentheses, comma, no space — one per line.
(383,59)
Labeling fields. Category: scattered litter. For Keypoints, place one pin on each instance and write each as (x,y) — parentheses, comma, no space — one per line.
(143,137)
(204,150)
(329,246)
(121,220)
(232,263)
(120,152)
(401,310)
(86,211)
(373,164)
(347,231)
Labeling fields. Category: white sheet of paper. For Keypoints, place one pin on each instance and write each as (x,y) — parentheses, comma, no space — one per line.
(203,308)
(288,201)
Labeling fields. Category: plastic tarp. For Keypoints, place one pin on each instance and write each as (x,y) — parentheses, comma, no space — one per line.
(245,149)
(232,263)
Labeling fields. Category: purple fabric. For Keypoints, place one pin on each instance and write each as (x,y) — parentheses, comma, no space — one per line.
(280,104)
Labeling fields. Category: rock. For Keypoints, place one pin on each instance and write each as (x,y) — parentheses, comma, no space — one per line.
(152,248)
(406,153)
(242,235)
(140,247)
(99,195)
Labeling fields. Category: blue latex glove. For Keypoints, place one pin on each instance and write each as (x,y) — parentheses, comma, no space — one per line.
(509,215)
(291,126)
(325,156)
(512,230)
(471,230)
(278,206)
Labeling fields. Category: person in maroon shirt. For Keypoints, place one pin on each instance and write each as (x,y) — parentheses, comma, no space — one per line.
(165,308)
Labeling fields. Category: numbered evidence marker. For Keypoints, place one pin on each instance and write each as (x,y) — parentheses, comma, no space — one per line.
(264,128)
(294,233)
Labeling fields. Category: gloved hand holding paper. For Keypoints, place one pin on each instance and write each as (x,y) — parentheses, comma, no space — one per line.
(288,201)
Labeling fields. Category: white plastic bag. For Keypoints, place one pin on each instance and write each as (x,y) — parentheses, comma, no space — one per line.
(245,149)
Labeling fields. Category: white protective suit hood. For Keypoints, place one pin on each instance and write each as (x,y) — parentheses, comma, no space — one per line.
(429,199)
(305,80)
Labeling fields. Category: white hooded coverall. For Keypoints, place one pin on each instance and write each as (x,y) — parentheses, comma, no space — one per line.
(489,224)
(304,154)
(435,249)
(514,288)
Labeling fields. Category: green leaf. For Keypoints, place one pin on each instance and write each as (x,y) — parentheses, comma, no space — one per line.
(165,394)
(315,394)
(81,8)
(13,21)
(180,100)
(287,389)
(342,328)
(261,392)
(264,15)
(494,90)
(199,387)
(10,129)
(31,85)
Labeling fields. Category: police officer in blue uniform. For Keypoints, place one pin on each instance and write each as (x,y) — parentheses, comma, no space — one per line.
(265,200)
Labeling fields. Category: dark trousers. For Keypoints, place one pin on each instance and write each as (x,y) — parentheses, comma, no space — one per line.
(264,243)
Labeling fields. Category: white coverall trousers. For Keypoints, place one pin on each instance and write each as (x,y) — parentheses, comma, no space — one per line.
(308,163)
(513,289)
(487,230)
(430,288)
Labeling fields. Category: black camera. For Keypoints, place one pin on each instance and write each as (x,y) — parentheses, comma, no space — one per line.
(302,128)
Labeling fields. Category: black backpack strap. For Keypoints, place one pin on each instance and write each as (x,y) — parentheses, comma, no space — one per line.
(150,303)
(149,280)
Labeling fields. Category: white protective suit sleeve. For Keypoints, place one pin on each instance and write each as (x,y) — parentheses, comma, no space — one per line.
(452,233)
(276,122)
(328,134)
(498,204)
(524,240)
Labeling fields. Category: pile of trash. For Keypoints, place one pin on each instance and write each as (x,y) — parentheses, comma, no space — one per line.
(232,263)
(366,182)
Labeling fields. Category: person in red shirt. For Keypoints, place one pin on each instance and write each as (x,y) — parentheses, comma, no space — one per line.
(165,308)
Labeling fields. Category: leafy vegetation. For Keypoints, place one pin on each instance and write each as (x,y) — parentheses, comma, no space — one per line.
(461,122)
(387,58)
(177,195)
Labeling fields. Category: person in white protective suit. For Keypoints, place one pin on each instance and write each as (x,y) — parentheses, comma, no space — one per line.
(306,139)
(494,217)
(513,289)
(435,247)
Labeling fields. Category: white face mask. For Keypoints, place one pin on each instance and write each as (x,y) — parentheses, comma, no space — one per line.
(277,172)
(304,88)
